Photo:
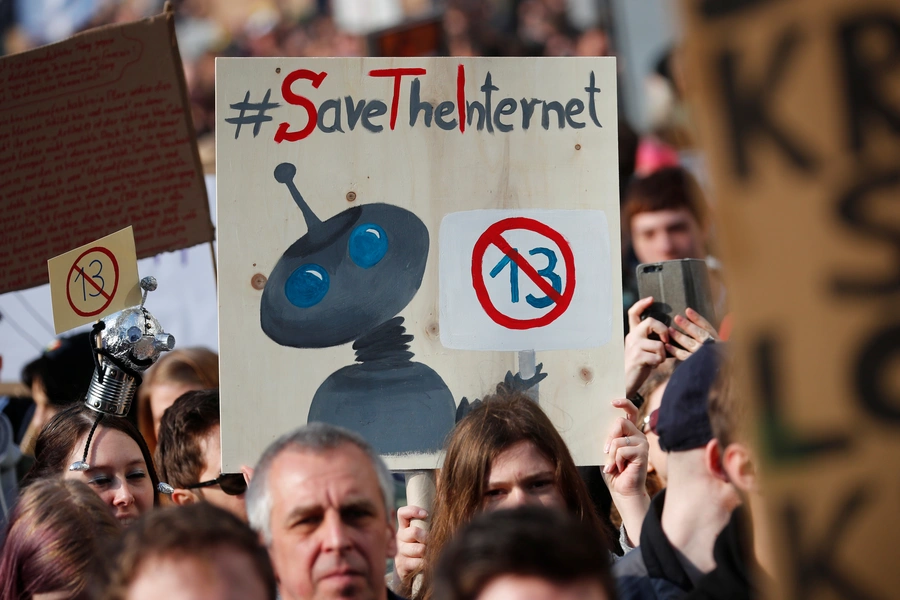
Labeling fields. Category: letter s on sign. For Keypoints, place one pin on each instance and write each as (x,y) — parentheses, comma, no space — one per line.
(312,116)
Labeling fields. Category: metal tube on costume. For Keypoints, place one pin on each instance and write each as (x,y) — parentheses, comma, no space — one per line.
(126,344)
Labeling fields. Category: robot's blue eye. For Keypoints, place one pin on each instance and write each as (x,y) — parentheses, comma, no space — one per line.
(368,245)
(134,334)
(306,286)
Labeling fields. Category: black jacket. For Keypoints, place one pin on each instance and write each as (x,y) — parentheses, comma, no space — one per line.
(730,580)
(652,570)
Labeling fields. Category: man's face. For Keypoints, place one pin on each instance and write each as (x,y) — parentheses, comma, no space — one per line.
(331,535)
(666,235)
(210,446)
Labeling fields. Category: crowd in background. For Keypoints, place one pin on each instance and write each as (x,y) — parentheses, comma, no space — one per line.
(207,29)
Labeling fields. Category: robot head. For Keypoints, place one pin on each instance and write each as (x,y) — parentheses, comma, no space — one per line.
(134,336)
(346,276)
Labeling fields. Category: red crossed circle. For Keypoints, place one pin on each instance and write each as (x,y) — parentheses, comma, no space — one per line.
(77,269)
(493,237)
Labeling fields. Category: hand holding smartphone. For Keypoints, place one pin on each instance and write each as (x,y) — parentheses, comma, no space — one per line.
(682,301)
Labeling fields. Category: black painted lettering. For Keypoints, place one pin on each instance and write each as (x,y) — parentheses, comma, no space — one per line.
(877,361)
(333,106)
(783,443)
(815,566)
(855,210)
(560,115)
(507,106)
(471,107)
(574,107)
(749,111)
(869,100)
(416,105)
(528,110)
(487,88)
(714,9)
(374,108)
(353,113)
(444,109)
(592,89)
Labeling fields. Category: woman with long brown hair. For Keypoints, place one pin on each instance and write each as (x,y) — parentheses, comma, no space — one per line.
(115,461)
(505,453)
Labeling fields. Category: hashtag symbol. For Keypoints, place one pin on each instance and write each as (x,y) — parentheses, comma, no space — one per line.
(256,120)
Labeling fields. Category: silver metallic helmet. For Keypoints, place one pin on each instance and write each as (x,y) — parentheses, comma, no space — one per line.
(126,343)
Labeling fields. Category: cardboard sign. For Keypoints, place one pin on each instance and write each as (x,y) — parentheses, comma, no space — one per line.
(525,280)
(799,109)
(333,178)
(94,280)
(95,135)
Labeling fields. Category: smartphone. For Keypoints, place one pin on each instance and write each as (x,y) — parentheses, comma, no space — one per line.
(676,285)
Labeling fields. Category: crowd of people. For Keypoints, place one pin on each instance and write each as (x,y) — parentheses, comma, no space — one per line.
(138,507)
(316,518)
(123,507)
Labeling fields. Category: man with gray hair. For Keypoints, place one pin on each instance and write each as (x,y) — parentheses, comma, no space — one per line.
(322,500)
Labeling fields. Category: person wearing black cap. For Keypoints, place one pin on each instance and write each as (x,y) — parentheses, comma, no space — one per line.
(58,378)
(677,537)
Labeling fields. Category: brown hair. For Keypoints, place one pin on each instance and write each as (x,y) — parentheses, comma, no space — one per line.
(54,446)
(197,530)
(657,377)
(727,412)
(55,540)
(186,366)
(671,188)
(179,456)
(497,424)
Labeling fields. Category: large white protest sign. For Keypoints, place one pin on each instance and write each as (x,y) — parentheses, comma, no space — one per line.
(334,176)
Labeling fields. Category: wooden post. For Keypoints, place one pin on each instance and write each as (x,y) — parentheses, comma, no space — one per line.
(420,491)
(526,369)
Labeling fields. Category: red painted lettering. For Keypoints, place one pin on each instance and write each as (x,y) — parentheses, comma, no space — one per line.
(461,96)
(283,133)
(397,74)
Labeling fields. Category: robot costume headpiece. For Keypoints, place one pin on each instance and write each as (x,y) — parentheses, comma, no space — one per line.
(125,345)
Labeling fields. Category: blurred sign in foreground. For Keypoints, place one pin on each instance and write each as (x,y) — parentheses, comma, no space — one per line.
(95,135)
(799,107)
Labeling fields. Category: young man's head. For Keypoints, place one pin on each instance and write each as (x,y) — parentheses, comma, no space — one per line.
(664,216)
(188,454)
(527,552)
(197,551)
(728,416)
(684,429)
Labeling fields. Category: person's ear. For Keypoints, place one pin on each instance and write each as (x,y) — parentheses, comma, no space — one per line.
(247,472)
(183,497)
(738,464)
(392,535)
(713,458)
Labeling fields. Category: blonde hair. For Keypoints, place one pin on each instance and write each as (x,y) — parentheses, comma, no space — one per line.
(185,366)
